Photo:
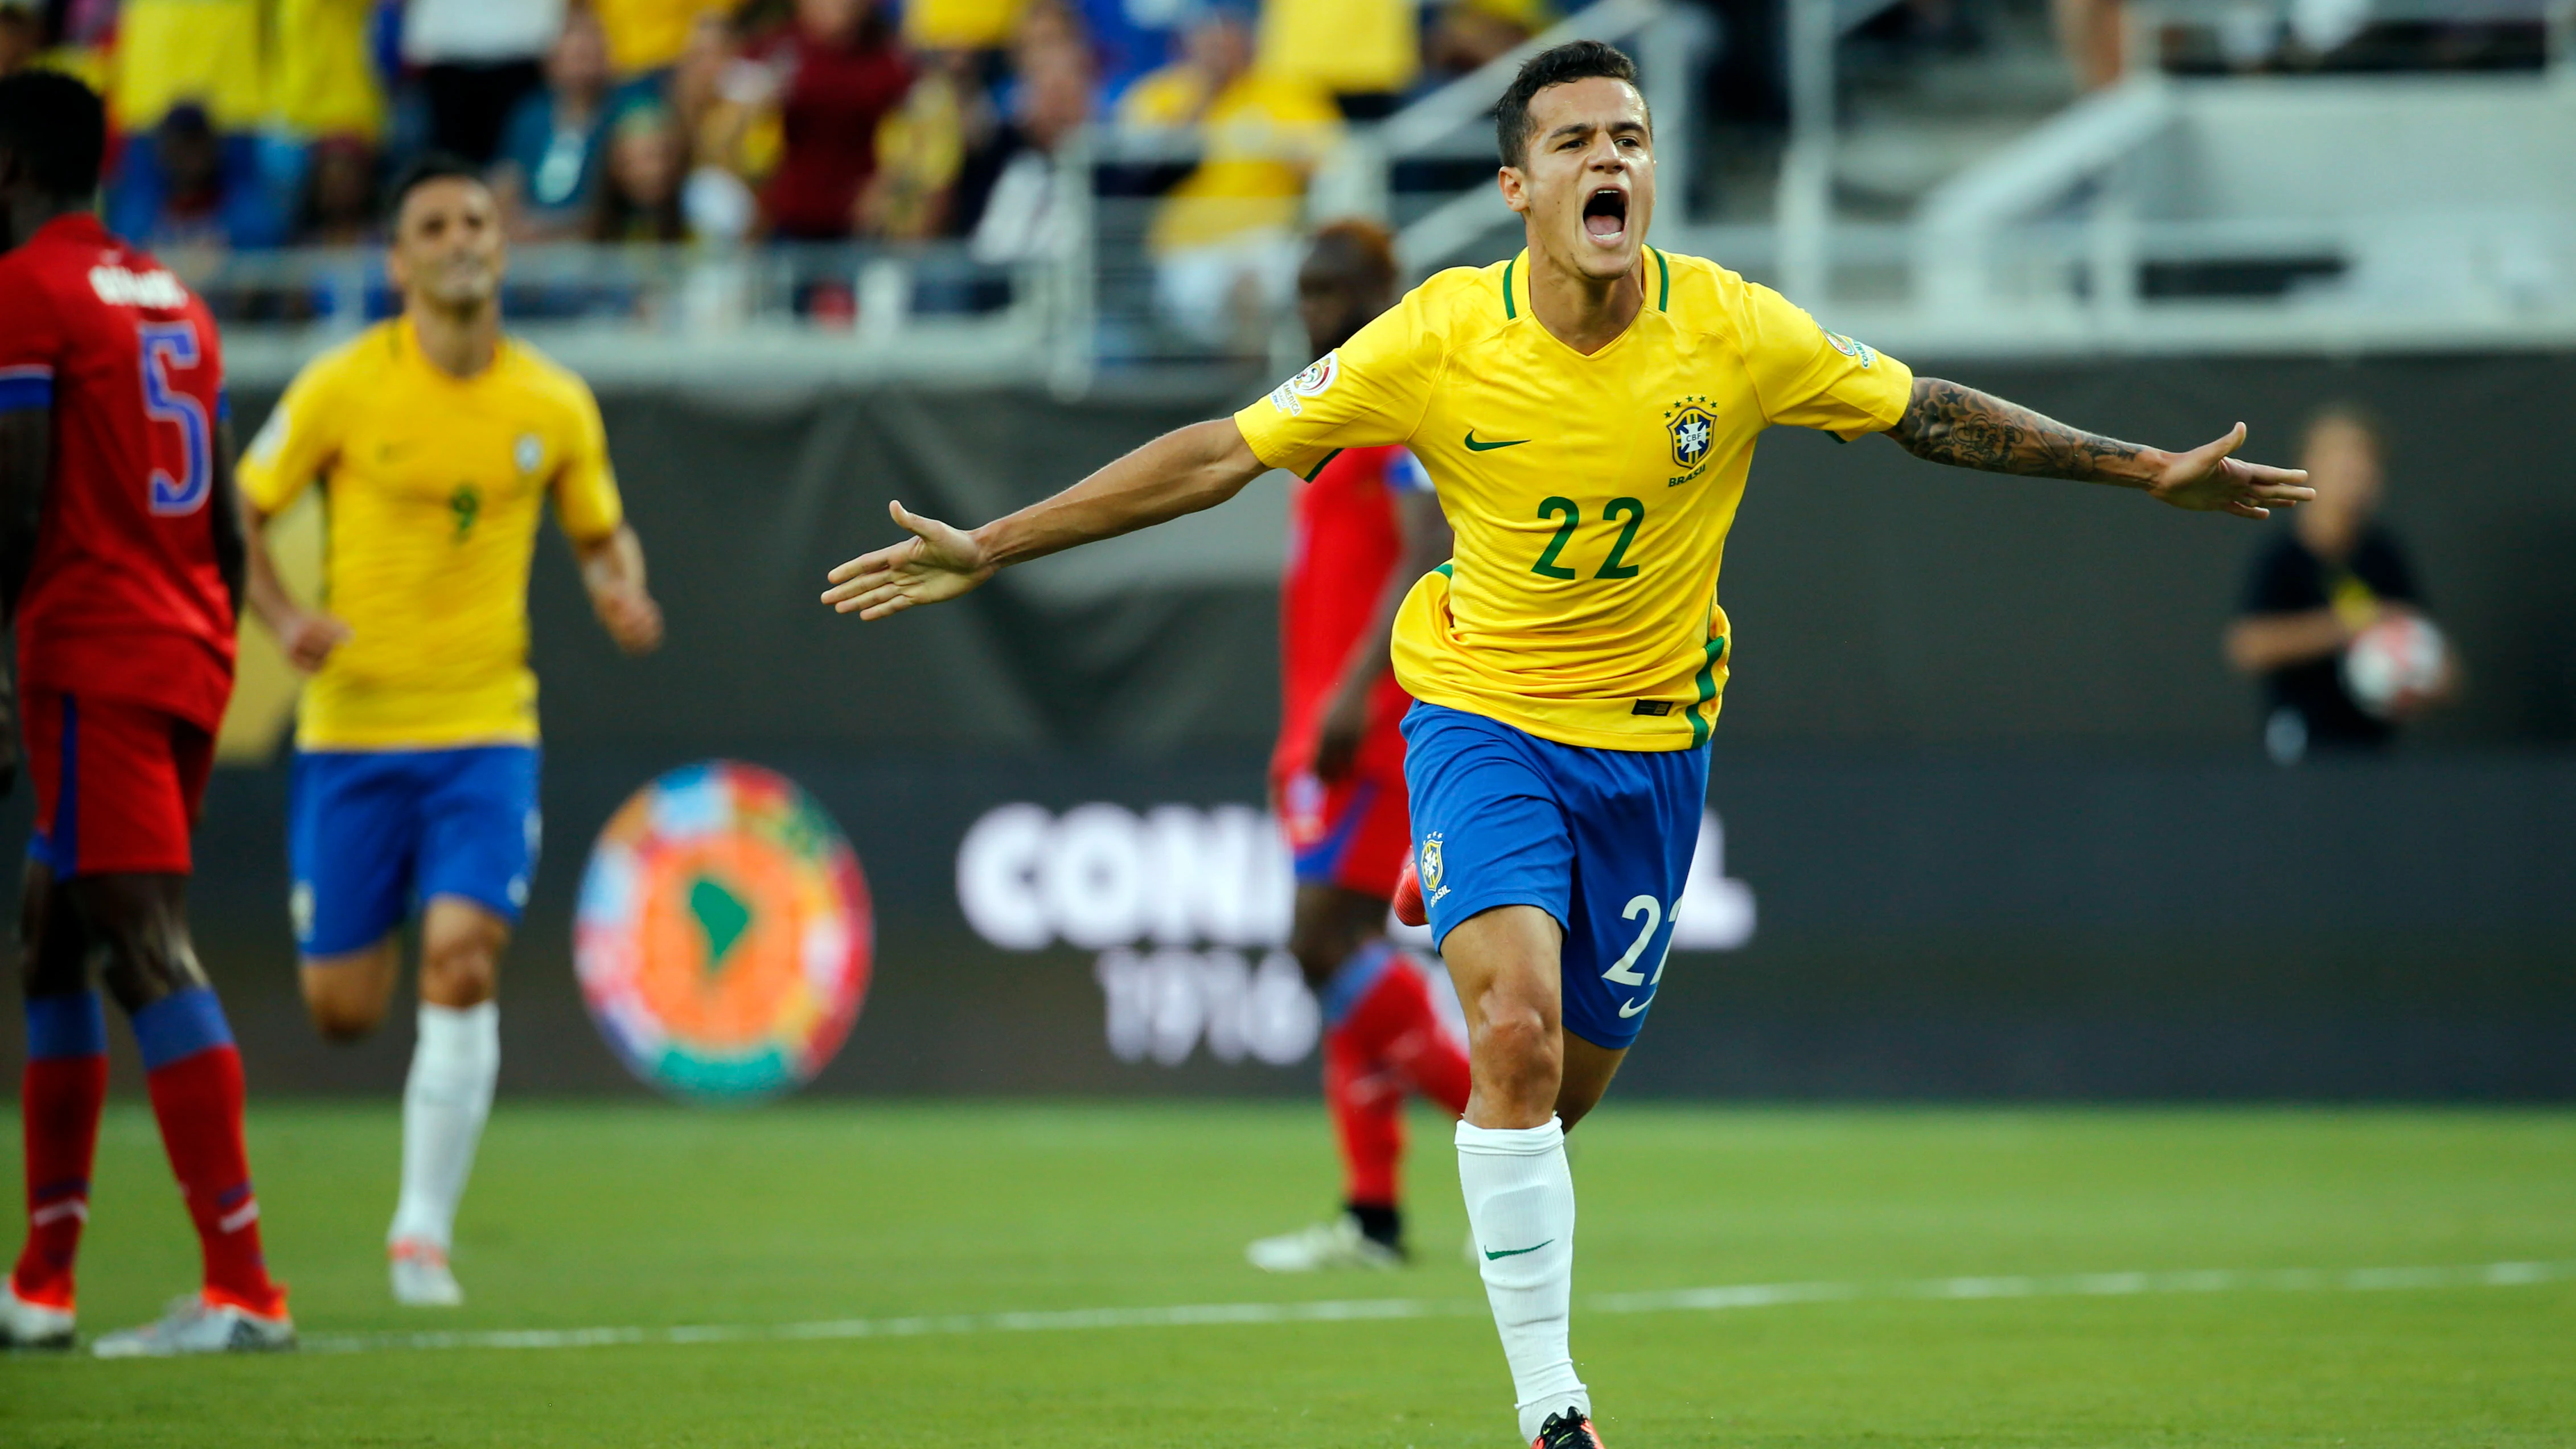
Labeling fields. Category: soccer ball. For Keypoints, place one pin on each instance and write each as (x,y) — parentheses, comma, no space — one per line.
(2390,667)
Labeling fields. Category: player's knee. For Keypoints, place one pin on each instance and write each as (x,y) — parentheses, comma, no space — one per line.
(1518,1052)
(341,1007)
(460,973)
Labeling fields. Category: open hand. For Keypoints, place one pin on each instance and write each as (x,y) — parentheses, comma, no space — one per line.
(935,564)
(2207,480)
(310,639)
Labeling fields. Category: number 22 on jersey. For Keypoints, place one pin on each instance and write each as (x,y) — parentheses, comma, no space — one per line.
(1616,565)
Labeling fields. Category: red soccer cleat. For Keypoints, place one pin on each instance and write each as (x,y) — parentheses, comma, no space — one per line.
(1408,898)
(1569,1430)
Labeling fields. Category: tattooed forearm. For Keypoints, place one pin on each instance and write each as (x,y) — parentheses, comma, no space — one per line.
(1947,423)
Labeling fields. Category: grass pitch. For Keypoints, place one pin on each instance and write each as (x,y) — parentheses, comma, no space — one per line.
(926,1222)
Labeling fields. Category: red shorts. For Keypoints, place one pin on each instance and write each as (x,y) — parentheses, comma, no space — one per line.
(1354,833)
(118,784)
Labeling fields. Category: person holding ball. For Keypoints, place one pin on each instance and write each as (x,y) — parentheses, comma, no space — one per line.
(2333,621)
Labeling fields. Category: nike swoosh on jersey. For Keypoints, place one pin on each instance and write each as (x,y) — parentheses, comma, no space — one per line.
(1493,1253)
(1633,1007)
(1490,445)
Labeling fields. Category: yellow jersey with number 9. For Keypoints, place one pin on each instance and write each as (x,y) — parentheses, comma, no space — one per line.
(1590,496)
(432,486)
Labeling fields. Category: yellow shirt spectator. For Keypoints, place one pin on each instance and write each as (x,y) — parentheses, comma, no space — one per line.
(961,24)
(1263,132)
(1344,46)
(324,77)
(207,51)
(650,34)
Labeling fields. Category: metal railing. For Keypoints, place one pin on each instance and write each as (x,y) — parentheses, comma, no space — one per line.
(2050,245)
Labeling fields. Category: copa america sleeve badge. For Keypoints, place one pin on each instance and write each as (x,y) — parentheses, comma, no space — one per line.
(724,936)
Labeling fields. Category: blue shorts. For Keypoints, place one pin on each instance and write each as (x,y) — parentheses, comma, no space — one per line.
(1599,839)
(372,833)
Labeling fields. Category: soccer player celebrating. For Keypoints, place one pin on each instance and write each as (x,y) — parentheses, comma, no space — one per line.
(1588,410)
(121,561)
(1360,531)
(438,443)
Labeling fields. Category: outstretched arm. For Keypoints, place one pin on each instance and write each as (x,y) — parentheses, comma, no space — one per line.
(1947,423)
(1183,471)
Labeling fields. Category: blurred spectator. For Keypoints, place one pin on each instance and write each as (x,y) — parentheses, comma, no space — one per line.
(639,185)
(922,147)
(2332,574)
(1225,239)
(652,35)
(1366,52)
(339,208)
(323,73)
(838,74)
(1471,34)
(188,188)
(1013,207)
(22,34)
(2094,34)
(549,156)
(204,53)
(1128,38)
(960,24)
(721,103)
(477,59)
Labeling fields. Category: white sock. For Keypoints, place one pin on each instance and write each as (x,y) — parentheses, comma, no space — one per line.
(1520,1202)
(445,1102)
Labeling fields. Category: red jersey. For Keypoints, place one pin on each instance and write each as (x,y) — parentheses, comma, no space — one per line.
(124,599)
(1343,545)
(832,98)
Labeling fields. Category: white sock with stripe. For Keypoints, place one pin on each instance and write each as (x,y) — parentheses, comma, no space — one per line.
(445,1103)
(1520,1203)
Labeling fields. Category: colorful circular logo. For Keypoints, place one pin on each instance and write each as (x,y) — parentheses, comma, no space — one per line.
(724,935)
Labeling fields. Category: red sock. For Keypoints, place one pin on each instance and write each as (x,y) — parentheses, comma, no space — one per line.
(65,1087)
(1367,1103)
(195,1078)
(1393,1022)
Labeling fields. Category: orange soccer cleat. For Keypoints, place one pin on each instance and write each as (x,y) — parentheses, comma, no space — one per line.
(1569,1430)
(1408,898)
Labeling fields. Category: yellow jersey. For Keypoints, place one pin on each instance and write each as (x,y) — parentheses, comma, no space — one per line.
(205,51)
(1590,496)
(1343,45)
(432,486)
(1261,133)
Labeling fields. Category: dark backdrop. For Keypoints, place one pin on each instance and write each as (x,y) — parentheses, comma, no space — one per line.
(1997,799)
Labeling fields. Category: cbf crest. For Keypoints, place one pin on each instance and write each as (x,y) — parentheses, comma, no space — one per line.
(1693,430)
(1431,869)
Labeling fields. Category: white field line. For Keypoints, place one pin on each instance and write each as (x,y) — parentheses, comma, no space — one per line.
(1347,1310)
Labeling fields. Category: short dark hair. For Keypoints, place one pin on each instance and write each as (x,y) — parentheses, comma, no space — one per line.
(1573,61)
(425,168)
(1358,245)
(57,127)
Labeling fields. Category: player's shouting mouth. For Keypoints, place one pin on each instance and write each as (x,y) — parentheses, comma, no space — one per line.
(1569,661)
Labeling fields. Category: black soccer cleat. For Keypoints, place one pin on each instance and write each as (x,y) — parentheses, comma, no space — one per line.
(1569,1430)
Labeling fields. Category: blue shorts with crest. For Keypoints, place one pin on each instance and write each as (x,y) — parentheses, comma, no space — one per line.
(372,834)
(1599,839)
